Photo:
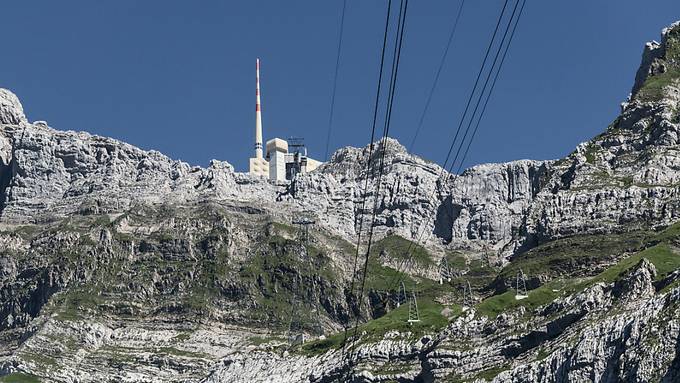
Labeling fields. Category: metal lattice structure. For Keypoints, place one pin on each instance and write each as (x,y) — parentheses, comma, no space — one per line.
(295,335)
(303,221)
(445,272)
(413,314)
(298,151)
(521,286)
(468,300)
(401,295)
(318,325)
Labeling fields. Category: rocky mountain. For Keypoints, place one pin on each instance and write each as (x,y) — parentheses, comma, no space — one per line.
(119,264)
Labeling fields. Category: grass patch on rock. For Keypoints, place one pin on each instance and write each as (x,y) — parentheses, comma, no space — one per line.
(496,304)
(573,256)
(401,249)
(431,321)
(662,256)
(19,377)
(653,88)
(562,254)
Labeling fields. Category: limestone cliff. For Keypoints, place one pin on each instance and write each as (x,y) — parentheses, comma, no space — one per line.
(120,264)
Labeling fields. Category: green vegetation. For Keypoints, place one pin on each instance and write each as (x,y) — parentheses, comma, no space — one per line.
(479,274)
(118,355)
(28,231)
(182,336)
(182,353)
(73,304)
(400,248)
(81,224)
(283,270)
(19,377)
(42,361)
(545,294)
(591,153)
(658,251)
(669,234)
(385,279)
(671,286)
(653,88)
(542,354)
(491,372)
(393,368)
(456,260)
(265,339)
(279,271)
(577,257)
(675,117)
(431,321)
(278,228)
(673,45)
(661,255)
(564,256)
(488,375)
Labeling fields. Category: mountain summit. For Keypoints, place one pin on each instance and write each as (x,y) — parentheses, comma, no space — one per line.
(120,264)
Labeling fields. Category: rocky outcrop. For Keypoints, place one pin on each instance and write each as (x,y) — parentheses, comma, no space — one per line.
(11,111)
(596,335)
(123,264)
(622,179)
(637,344)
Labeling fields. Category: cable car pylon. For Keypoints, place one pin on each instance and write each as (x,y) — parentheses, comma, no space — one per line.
(413,314)
(521,286)
(468,302)
(401,295)
(444,271)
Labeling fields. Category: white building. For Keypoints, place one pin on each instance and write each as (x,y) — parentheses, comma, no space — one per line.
(277,150)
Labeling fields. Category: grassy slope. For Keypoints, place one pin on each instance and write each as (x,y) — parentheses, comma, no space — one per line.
(400,248)
(497,304)
(565,256)
(659,251)
(431,321)
(385,278)
(18,377)
(653,88)
(550,259)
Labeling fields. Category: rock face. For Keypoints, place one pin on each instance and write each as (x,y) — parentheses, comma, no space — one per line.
(623,179)
(123,264)
(11,111)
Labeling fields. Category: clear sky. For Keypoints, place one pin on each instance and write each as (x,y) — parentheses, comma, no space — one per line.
(178,76)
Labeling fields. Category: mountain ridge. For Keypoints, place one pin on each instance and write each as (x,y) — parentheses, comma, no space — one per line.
(122,264)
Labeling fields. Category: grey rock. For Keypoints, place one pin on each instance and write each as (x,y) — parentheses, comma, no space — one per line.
(11,111)
(173,224)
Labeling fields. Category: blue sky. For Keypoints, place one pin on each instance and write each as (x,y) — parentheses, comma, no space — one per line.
(178,77)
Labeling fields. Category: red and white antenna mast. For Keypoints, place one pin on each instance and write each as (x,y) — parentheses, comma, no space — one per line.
(258,112)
